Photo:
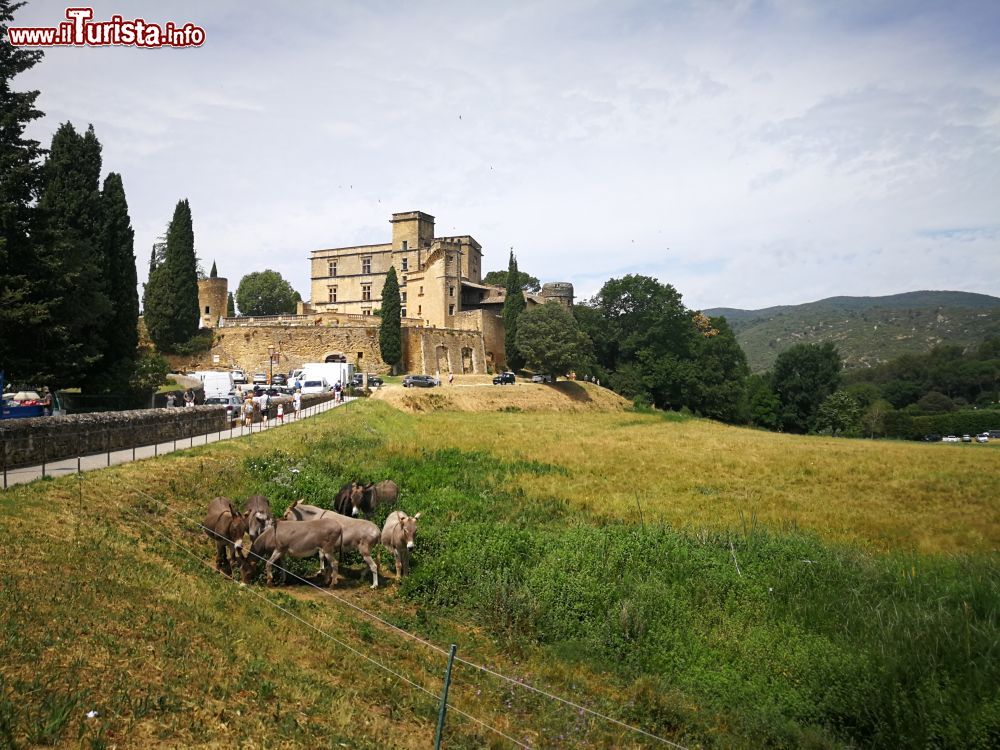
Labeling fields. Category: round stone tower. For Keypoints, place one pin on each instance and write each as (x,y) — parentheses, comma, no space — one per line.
(213,298)
(560,291)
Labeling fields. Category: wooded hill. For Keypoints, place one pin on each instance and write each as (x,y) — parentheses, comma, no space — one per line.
(866,330)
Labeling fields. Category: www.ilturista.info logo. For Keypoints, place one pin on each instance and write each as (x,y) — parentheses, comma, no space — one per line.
(81,31)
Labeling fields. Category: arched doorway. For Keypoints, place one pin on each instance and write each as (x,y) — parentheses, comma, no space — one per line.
(335,357)
(443,362)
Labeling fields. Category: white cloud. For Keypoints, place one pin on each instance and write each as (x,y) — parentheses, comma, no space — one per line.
(750,153)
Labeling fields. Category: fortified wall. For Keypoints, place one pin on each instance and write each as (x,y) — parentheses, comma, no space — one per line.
(300,339)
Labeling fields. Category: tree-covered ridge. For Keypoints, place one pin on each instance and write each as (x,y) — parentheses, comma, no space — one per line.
(867,330)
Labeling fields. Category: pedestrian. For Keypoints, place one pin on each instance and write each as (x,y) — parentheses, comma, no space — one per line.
(46,402)
(281,413)
(248,412)
(171,400)
(297,402)
(188,398)
(451,378)
(336,391)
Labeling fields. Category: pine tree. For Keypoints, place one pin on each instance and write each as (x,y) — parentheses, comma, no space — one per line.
(390,336)
(72,260)
(23,309)
(117,240)
(230,307)
(513,306)
(171,298)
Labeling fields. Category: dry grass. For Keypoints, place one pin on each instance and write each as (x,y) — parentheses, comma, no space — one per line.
(476,393)
(699,474)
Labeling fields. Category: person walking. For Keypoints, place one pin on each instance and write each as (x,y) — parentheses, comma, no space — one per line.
(188,398)
(248,412)
(281,413)
(297,402)
(451,378)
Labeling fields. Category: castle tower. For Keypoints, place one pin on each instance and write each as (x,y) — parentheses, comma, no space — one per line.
(213,300)
(560,291)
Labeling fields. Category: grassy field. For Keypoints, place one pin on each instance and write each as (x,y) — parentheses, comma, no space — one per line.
(715,586)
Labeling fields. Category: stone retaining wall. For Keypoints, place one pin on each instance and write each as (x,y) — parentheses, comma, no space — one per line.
(28,442)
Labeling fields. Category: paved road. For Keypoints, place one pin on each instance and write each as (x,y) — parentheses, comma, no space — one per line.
(103,460)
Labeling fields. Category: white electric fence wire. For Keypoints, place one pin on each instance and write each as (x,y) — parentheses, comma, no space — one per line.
(435,647)
(322,632)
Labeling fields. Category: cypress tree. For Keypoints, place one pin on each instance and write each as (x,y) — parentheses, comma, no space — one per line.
(390,335)
(117,241)
(24,309)
(72,260)
(230,307)
(214,273)
(513,306)
(172,291)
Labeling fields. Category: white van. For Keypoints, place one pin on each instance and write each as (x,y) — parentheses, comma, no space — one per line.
(217,384)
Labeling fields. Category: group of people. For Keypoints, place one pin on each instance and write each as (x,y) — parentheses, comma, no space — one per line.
(260,404)
(188,398)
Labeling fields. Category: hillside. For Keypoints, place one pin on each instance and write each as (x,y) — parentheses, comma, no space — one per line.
(866,330)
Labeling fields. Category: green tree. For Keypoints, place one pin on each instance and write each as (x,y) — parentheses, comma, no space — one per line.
(171,298)
(72,260)
(390,335)
(550,341)
(118,250)
(149,374)
(803,377)
(24,304)
(763,408)
(873,420)
(527,282)
(214,273)
(720,373)
(265,293)
(230,307)
(513,306)
(839,413)
(935,402)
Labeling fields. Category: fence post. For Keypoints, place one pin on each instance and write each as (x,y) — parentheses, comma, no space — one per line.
(5,463)
(79,450)
(107,443)
(444,698)
(44,455)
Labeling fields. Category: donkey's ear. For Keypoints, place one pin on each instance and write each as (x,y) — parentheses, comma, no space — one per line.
(417,516)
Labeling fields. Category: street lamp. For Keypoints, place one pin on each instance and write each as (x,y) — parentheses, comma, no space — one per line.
(270,364)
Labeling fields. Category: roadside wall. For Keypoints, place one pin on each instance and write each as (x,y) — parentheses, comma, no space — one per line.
(28,442)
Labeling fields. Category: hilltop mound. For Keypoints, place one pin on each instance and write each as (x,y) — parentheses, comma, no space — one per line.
(478,394)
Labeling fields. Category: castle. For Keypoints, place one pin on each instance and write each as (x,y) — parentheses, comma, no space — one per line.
(451,320)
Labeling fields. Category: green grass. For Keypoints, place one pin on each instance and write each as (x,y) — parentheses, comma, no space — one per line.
(754,630)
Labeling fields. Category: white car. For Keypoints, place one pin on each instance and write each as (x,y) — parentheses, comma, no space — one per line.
(984,438)
(951,439)
(239,377)
(315,386)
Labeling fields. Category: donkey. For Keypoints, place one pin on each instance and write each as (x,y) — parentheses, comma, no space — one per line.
(226,527)
(358,534)
(399,534)
(385,492)
(347,498)
(298,539)
(300,511)
(259,516)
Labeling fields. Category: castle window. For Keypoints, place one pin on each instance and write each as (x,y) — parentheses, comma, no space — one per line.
(421,290)
(331,294)
(451,309)
(366,265)
(405,247)
(206,310)
(332,268)
(366,292)
(405,262)
(402,296)
(419,311)
(366,311)
(451,291)
(402,312)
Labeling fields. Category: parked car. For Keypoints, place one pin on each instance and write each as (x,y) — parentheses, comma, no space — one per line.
(504,378)
(231,403)
(260,378)
(239,377)
(315,386)
(932,438)
(279,379)
(995,434)
(420,381)
(966,438)
(984,438)
(951,439)
(541,378)
(374,381)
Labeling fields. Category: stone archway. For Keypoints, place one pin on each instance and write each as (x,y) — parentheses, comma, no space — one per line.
(442,359)
(335,357)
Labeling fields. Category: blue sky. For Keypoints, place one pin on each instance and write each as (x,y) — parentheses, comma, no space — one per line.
(750,153)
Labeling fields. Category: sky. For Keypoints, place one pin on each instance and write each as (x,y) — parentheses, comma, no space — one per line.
(749,153)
